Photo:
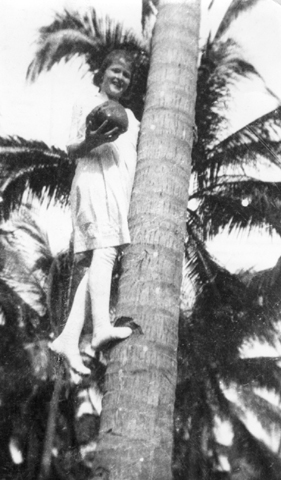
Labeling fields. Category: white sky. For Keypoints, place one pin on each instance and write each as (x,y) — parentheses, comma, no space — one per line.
(42,110)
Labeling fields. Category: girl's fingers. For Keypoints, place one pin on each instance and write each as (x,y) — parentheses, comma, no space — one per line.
(102,127)
(97,137)
(112,132)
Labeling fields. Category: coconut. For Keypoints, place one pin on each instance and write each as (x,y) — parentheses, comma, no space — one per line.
(111,111)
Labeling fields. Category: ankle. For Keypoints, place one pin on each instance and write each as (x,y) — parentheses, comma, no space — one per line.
(102,326)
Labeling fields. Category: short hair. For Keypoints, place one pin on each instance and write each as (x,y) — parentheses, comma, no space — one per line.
(115,55)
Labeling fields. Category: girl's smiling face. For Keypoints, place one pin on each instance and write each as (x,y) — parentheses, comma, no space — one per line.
(116,79)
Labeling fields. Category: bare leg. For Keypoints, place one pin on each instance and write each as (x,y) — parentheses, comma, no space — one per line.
(67,343)
(100,274)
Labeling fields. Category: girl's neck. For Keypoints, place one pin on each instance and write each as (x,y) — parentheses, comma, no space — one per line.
(106,97)
(103,95)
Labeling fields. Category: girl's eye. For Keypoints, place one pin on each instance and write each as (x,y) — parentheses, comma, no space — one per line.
(125,74)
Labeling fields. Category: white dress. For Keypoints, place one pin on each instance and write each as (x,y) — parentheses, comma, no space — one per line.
(102,185)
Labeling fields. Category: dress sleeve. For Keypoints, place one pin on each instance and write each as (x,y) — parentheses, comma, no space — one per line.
(77,127)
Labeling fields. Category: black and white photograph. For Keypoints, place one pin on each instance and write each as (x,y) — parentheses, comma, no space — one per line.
(140,239)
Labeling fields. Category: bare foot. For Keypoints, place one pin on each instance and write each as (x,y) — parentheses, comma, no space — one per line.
(104,335)
(71,355)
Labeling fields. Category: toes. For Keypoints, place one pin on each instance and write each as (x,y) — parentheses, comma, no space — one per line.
(78,366)
(89,351)
(102,337)
(121,332)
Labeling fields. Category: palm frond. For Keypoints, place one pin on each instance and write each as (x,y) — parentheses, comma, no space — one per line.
(239,203)
(46,171)
(75,34)
(220,68)
(257,141)
(264,286)
(200,267)
(203,380)
(259,372)
(30,292)
(251,456)
(266,282)
(236,8)
(265,411)
(224,316)
(25,259)
(9,302)
(22,232)
(204,371)
(59,46)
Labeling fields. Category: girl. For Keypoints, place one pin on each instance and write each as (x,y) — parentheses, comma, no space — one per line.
(100,197)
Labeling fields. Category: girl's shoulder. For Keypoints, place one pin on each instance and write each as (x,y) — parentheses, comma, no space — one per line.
(88,98)
(132,119)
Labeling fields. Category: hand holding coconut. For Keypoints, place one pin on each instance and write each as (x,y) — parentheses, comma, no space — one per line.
(105,123)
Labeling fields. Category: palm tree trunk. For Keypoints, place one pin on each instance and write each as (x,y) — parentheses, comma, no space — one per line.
(136,436)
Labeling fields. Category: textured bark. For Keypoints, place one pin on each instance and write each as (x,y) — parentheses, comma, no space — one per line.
(136,435)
